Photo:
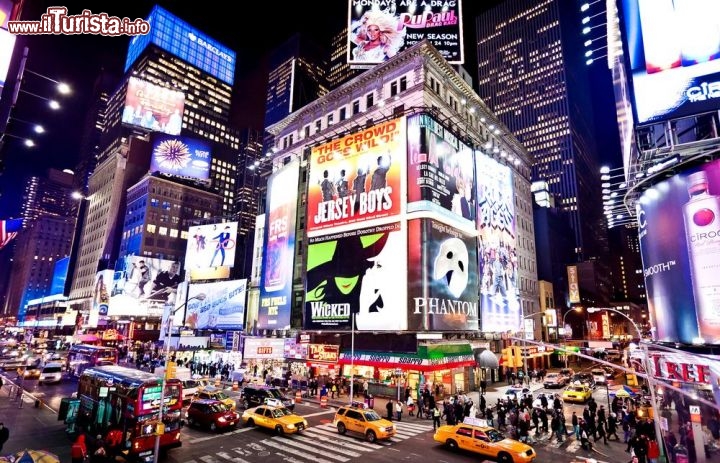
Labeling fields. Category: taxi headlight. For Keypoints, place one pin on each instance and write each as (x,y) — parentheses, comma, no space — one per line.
(290,426)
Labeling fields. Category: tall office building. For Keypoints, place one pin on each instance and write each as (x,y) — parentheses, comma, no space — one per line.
(48,196)
(339,71)
(531,74)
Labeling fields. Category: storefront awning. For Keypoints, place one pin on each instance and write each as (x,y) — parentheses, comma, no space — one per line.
(86,338)
(407,361)
(486,359)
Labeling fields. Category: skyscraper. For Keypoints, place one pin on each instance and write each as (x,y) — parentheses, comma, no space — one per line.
(531,75)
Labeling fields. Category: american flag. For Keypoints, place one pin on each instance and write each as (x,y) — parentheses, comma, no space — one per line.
(8,230)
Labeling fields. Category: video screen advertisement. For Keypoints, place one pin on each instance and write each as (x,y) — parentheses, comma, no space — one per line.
(359,272)
(278,260)
(378,30)
(357,177)
(211,245)
(497,256)
(441,171)
(442,278)
(679,231)
(153,107)
(140,283)
(100,297)
(181,156)
(222,308)
(674,57)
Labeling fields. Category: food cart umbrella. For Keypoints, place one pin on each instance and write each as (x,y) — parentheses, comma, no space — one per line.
(35,456)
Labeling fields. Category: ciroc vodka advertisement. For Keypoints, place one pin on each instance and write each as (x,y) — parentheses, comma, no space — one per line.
(679,231)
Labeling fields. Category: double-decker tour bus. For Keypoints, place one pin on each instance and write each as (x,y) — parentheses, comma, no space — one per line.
(82,356)
(114,398)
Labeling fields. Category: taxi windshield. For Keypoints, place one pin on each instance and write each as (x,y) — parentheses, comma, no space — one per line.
(495,435)
(372,415)
(578,389)
(220,395)
(280,412)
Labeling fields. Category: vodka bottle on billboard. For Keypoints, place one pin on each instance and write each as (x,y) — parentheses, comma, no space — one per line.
(702,226)
(660,40)
(277,235)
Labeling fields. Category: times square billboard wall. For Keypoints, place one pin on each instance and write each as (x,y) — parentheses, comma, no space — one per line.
(401,24)
(211,245)
(153,107)
(674,57)
(278,260)
(679,232)
(497,256)
(181,156)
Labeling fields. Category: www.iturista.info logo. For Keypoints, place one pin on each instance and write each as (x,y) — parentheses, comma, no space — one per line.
(56,21)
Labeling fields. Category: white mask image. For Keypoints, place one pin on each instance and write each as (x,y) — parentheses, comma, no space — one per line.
(451,264)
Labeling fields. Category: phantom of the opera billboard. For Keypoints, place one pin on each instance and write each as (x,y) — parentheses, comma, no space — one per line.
(153,107)
(359,272)
(442,278)
(497,255)
(211,245)
(141,286)
(378,30)
(181,156)
(679,232)
(440,171)
(223,306)
(279,249)
(357,177)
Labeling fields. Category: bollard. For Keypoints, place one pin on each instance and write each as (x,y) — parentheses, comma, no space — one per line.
(323,401)
(298,397)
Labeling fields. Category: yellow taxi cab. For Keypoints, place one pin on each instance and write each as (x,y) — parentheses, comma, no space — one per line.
(280,419)
(577,393)
(362,420)
(485,441)
(213,393)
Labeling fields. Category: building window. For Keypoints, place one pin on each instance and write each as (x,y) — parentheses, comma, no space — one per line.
(356,107)
(150,228)
(330,119)
(403,84)
(307,131)
(318,125)
(163,231)
(173,233)
(369,100)
(393,89)
(343,114)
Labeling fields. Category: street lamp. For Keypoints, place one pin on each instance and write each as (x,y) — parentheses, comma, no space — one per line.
(199,297)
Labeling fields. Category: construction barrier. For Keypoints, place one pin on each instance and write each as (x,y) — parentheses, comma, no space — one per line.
(235,386)
(298,397)
(323,401)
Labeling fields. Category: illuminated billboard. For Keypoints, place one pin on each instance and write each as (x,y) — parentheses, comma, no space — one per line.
(211,245)
(140,284)
(60,271)
(497,255)
(377,31)
(442,278)
(679,223)
(279,248)
(7,46)
(361,272)
(182,156)
(153,107)
(357,177)
(674,57)
(100,297)
(440,171)
(219,305)
(179,38)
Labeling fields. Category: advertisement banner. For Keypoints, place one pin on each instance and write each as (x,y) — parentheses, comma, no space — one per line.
(153,107)
(551,318)
(357,177)
(378,30)
(357,272)
(222,307)
(442,278)
(674,55)
(7,46)
(100,297)
(142,285)
(323,353)
(279,248)
(441,171)
(264,348)
(573,285)
(678,222)
(211,245)
(182,156)
(499,294)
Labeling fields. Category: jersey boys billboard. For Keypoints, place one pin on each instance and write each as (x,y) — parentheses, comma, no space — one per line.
(357,177)
(378,30)
(442,277)
(357,272)
(279,250)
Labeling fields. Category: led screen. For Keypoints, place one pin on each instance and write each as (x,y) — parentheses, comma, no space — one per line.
(442,278)
(359,272)
(219,305)
(7,46)
(377,31)
(674,57)
(212,245)
(153,107)
(279,248)
(60,271)
(497,256)
(182,156)
(174,35)
(440,171)
(139,283)
(679,223)
(357,177)
(100,296)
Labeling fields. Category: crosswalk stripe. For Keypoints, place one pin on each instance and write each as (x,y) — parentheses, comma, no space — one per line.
(333,433)
(229,457)
(209,459)
(573,446)
(413,426)
(326,445)
(307,448)
(402,435)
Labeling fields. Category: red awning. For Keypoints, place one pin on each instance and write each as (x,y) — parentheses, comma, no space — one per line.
(87,338)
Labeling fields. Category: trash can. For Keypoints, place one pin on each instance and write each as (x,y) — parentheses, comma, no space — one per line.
(370,401)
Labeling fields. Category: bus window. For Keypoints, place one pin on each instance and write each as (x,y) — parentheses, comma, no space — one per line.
(82,356)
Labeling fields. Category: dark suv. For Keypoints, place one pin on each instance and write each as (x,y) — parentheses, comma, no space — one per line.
(252,396)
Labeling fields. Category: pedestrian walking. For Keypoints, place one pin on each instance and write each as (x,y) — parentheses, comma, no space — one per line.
(389,408)
(4,435)
(436,417)
(78,451)
(410,406)
(398,410)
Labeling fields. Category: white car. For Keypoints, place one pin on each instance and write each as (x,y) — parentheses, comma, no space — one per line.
(273,402)
(189,389)
(51,373)
(599,375)
(516,392)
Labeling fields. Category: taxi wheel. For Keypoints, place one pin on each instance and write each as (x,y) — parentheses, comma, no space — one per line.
(504,458)
(279,430)
(452,444)
(341,428)
(250,423)
(371,437)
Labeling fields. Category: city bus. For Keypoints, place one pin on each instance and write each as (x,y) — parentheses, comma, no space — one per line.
(82,356)
(127,402)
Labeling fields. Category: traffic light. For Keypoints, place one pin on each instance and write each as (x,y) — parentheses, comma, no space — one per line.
(507,360)
(517,356)
(170,370)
